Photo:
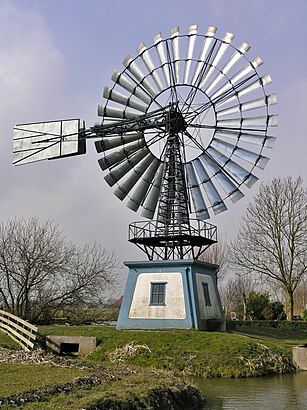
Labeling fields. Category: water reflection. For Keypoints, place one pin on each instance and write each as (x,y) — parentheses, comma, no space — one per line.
(272,393)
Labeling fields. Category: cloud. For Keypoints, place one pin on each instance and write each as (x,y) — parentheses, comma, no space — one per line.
(32,70)
(32,76)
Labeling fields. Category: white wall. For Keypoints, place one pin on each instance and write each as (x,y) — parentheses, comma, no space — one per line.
(207,312)
(174,299)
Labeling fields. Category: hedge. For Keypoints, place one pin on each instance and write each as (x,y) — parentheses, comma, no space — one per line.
(281,324)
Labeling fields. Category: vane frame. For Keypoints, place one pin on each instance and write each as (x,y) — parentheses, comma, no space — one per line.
(48,140)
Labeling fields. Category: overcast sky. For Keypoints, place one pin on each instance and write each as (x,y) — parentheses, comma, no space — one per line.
(56,56)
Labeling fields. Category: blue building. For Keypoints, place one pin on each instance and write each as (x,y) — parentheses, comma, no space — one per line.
(171,294)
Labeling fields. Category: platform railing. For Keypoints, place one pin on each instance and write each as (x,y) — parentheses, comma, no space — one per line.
(148,229)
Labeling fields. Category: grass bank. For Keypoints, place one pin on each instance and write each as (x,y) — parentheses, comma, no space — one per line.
(116,387)
(138,369)
(285,335)
(186,352)
(18,377)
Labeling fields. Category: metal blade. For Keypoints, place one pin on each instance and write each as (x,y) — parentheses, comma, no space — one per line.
(151,200)
(125,187)
(112,142)
(192,39)
(242,153)
(256,139)
(141,189)
(121,169)
(144,53)
(123,99)
(214,197)
(249,105)
(176,55)
(160,47)
(220,52)
(139,75)
(117,156)
(204,53)
(225,182)
(263,121)
(266,79)
(232,167)
(237,77)
(106,111)
(233,59)
(123,81)
(197,198)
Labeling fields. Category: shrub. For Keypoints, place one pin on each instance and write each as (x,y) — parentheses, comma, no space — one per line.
(281,324)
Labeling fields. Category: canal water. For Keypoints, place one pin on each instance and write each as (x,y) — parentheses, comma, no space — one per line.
(288,392)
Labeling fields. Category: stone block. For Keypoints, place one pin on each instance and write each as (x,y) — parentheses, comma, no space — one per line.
(299,354)
(71,345)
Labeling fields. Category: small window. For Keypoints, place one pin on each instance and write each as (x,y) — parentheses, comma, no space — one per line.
(206,294)
(157,293)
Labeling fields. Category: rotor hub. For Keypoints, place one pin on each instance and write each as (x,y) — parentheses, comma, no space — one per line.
(175,122)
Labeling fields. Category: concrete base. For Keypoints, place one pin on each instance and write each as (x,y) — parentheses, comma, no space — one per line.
(299,354)
(191,297)
(71,345)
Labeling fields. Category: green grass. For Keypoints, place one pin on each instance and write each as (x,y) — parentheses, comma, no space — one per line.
(122,384)
(17,377)
(6,342)
(189,352)
(135,385)
(288,336)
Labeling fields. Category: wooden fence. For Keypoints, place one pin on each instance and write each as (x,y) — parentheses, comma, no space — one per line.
(18,329)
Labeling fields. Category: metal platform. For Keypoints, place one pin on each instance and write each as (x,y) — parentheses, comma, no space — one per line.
(173,241)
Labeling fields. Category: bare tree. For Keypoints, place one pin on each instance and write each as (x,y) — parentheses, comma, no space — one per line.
(235,293)
(217,254)
(300,297)
(41,272)
(273,235)
(89,278)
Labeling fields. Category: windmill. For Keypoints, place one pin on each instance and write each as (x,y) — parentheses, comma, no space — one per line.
(184,128)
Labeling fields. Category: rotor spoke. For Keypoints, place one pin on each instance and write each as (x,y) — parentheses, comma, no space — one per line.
(172,74)
(225,129)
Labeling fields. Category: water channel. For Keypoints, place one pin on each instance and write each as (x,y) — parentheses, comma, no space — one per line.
(288,392)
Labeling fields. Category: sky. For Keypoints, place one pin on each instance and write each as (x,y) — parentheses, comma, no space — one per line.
(56,57)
